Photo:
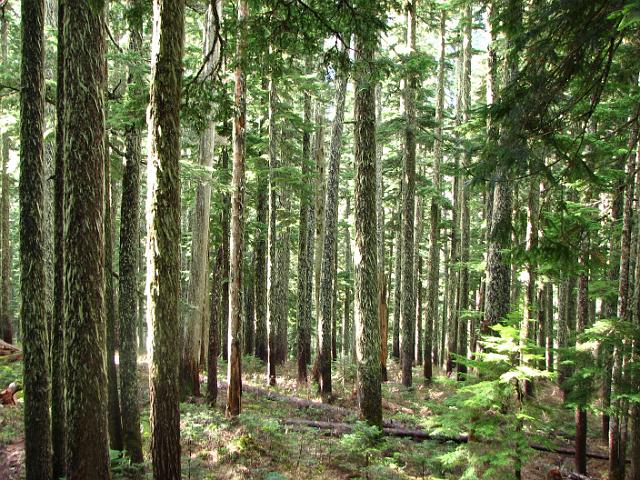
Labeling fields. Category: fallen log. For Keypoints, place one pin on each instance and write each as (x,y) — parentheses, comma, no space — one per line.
(418,435)
(7,396)
(8,349)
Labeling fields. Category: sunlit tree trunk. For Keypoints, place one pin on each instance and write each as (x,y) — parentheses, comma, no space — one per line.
(347,333)
(37,419)
(329,249)
(214,329)
(163,235)
(197,295)
(234,373)
(366,316)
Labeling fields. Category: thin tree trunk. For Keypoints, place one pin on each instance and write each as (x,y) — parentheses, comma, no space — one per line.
(580,459)
(6,329)
(465,224)
(163,236)
(272,259)
(214,329)
(248,329)
(433,278)
(37,420)
(380,235)
(197,295)
(366,287)
(347,333)
(113,398)
(234,375)
(305,285)
(329,249)
(395,341)
(262,212)
(226,276)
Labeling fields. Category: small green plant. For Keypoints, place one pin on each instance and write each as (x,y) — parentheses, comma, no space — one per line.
(365,441)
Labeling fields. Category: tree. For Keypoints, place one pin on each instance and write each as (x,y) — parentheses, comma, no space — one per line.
(58,411)
(329,248)
(305,266)
(408,310)
(86,381)
(6,329)
(434,211)
(214,330)
(234,375)
(197,296)
(129,253)
(366,263)
(37,420)
(163,235)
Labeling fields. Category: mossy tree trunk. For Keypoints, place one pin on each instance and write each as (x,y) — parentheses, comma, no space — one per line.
(163,235)
(37,420)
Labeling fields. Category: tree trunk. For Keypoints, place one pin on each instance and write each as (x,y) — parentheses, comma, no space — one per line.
(129,261)
(248,329)
(6,329)
(214,329)
(433,279)
(163,236)
(197,295)
(395,341)
(273,276)
(58,410)
(347,330)
(380,234)
(465,224)
(234,375)
(262,208)
(305,285)
(37,420)
(113,398)
(226,276)
(366,287)
(329,249)
(407,311)
(617,436)
(320,198)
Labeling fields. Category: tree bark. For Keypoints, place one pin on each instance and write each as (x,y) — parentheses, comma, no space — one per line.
(305,285)
(407,310)
(329,248)
(6,329)
(347,327)
(214,329)
(397,297)
(37,420)
(366,287)
(163,235)
(58,411)
(433,279)
(129,257)
(234,375)
(197,295)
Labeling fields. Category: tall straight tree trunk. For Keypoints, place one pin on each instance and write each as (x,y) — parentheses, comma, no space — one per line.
(382,281)
(305,294)
(197,295)
(58,411)
(163,235)
(617,435)
(262,209)
(6,329)
(129,258)
(234,374)
(465,224)
(85,156)
(320,199)
(635,353)
(113,398)
(419,298)
(329,249)
(273,274)
(248,328)
(37,420)
(527,329)
(433,279)
(397,298)
(226,234)
(580,459)
(366,287)
(347,331)
(283,257)
(407,311)
(214,329)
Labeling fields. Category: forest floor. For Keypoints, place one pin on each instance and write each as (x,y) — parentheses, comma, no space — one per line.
(262,444)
